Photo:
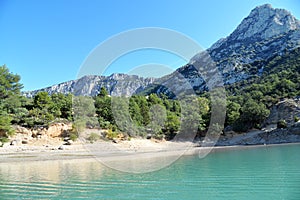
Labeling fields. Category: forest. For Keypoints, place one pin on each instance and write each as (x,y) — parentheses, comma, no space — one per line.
(248,104)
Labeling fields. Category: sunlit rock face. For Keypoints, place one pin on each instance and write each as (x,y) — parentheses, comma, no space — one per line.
(267,32)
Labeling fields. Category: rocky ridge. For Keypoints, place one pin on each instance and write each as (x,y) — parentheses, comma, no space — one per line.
(265,33)
(115,84)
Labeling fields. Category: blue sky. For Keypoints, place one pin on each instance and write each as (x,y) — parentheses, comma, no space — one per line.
(46,42)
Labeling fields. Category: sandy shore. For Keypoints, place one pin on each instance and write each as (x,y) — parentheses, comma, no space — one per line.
(110,152)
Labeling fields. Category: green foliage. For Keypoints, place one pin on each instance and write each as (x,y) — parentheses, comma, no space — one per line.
(248,103)
(93,137)
(157,119)
(281,124)
(233,112)
(42,100)
(103,110)
(9,100)
(5,126)
(103,92)
(171,126)
(73,136)
(110,134)
(62,106)
(9,83)
(79,125)
(252,114)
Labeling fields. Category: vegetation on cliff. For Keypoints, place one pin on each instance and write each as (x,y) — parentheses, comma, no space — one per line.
(248,104)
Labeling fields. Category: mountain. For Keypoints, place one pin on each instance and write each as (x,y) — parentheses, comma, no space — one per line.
(266,33)
(115,84)
(263,35)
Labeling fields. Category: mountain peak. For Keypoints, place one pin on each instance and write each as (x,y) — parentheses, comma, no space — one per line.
(265,22)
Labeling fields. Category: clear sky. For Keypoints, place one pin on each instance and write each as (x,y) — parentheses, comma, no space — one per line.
(47,41)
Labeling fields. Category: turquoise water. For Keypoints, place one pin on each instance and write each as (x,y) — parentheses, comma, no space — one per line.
(261,173)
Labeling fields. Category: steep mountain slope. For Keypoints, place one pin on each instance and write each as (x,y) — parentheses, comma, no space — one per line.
(263,35)
(116,84)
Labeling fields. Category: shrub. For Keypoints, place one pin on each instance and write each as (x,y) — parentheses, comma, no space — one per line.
(110,134)
(93,137)
(281,124)
(73,136)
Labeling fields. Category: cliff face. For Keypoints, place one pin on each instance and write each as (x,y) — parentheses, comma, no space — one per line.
(287,110)
(265,33)
(116,85)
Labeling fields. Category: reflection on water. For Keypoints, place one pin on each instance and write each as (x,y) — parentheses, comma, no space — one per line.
(52,171)
(263,173)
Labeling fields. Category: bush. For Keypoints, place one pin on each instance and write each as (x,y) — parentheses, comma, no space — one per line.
(93,137)
(3,140)
(110,134)
(73,136)
(281,124)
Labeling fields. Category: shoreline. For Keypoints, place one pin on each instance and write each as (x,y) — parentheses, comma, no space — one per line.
(84,153)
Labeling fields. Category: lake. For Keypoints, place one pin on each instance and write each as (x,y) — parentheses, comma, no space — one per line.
(270,172)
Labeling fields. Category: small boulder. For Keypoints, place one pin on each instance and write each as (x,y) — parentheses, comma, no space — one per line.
(61,147)
(13,142)
(149,136)
(24,142)
(69,142)
(114,140)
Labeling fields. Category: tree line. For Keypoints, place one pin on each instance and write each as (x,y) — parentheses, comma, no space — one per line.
(247,104)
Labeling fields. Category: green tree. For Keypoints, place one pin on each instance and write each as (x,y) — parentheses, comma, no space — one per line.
(253,114)
(103,92)
(9,83)
(171,126)
(104,111)
(61,106)
(232,113)
(42,100)
(204,113)
(135,111)
(9,100)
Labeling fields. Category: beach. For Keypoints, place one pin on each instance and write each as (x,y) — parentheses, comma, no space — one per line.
(109,151)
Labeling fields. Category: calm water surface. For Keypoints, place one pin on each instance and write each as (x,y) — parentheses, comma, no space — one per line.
(261,173)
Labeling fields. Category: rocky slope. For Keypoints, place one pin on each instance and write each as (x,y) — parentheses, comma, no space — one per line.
(265,33)
(116,84)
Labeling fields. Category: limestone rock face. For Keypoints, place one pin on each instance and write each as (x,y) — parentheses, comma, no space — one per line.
(265,22)
(39,135)
(116,85)
(57,129)
(286,110)
(266,32)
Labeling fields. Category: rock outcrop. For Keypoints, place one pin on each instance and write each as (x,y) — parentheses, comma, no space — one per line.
(287,110)
(27,136)
(266,33)
(116,85)
(263,137)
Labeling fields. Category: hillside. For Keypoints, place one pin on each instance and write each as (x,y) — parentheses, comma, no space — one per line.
(258,65)
(266,33)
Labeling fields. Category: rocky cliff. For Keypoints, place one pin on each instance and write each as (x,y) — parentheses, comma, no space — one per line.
(265,33)
(116,84)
